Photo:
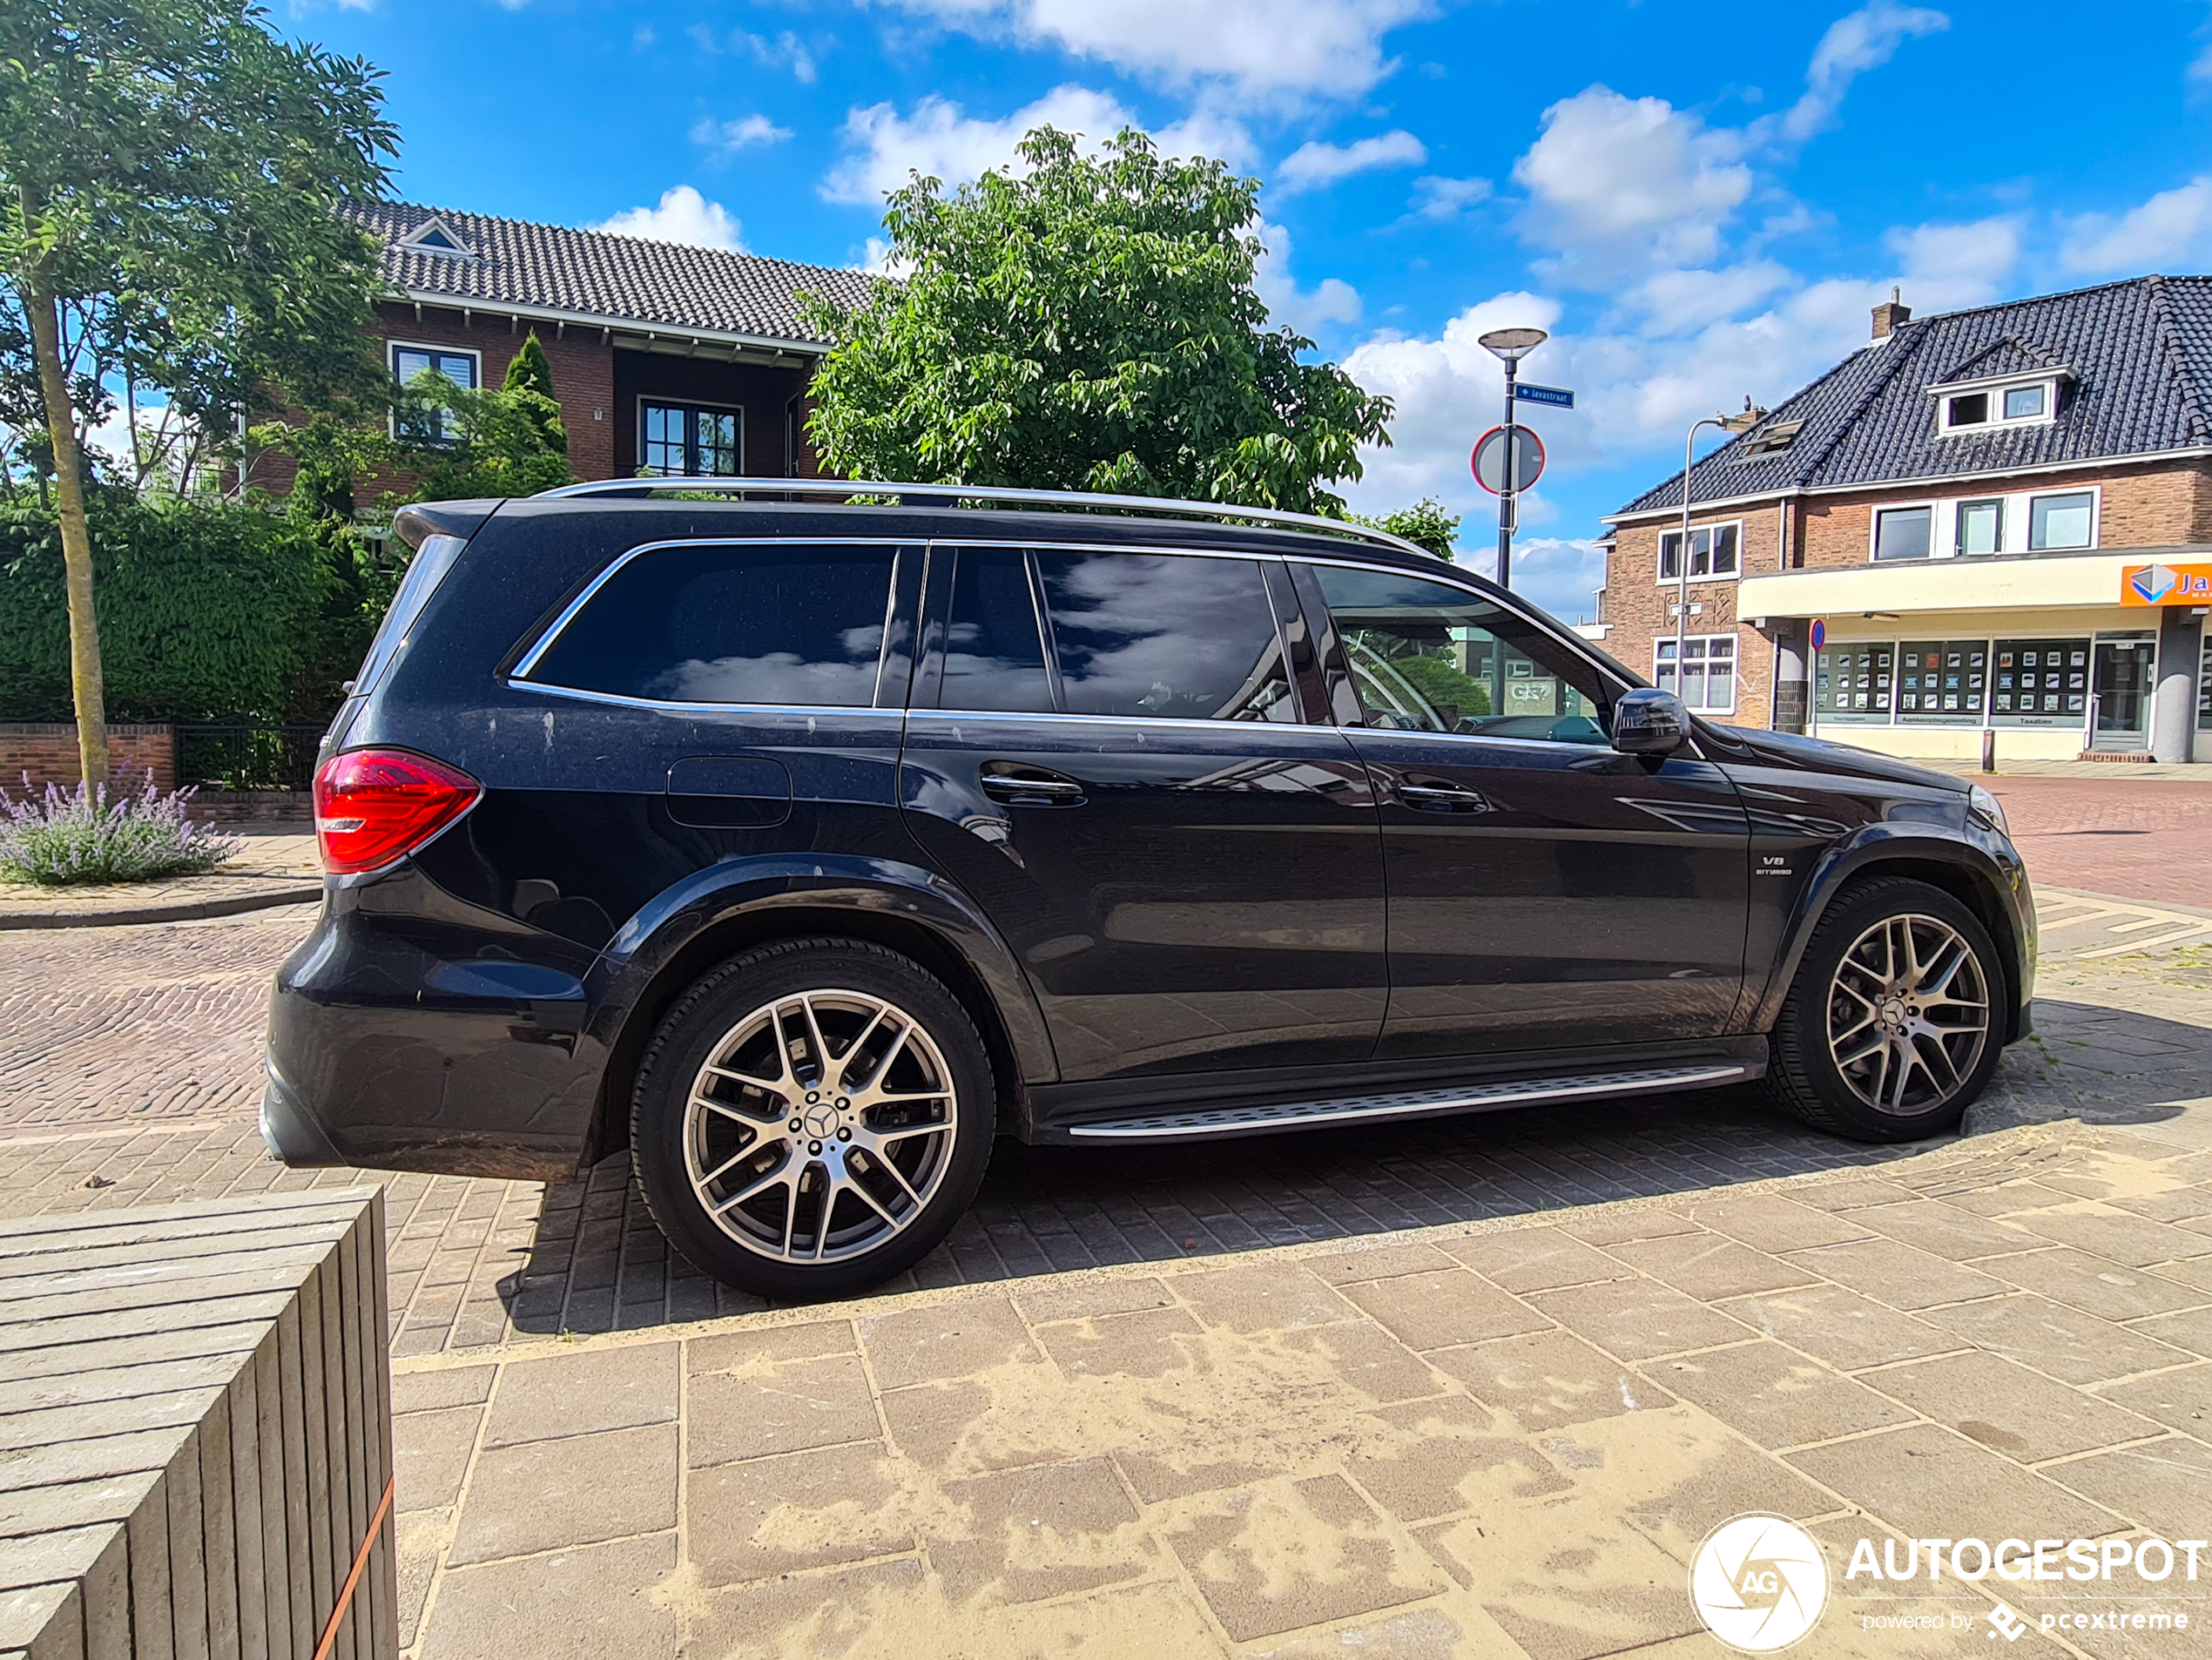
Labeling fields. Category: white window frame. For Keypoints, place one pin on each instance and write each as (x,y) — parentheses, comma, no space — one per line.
(1955,510)
(669,401)
(1659,558)
(2094,492)
(1697,648)
(393,347)
(1936,518)
(1995,391)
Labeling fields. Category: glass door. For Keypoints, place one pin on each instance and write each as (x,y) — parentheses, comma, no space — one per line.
(2123,689)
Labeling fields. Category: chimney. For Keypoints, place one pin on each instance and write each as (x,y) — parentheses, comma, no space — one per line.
(1889,315)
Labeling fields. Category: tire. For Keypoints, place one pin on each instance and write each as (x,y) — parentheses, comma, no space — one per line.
(1894,1023)
(805,1068)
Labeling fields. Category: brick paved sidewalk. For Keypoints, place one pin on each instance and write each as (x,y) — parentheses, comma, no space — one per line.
(1504,1440)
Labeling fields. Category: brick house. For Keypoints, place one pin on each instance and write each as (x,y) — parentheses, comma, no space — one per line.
(665,357)
(1995,516)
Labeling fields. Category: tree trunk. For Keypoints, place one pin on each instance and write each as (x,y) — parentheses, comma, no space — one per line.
(86,688)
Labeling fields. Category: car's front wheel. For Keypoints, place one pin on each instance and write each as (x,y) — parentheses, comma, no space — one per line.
(1894,1023)
(812,1118)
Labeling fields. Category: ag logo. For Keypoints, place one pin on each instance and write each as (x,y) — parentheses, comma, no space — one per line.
(1759,1582)
(2153,582)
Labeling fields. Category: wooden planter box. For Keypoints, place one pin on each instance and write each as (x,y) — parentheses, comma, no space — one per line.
(195,1433)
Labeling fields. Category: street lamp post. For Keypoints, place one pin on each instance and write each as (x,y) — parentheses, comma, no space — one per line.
(1509,346)
(1743,422)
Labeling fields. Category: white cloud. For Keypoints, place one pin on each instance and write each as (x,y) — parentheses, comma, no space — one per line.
(727,138)
(1443,198)
(1865,39)
(1672,302)
(1315,165)
(1615,181)
(1334,301)
(1260,51)
(2170,228)
(1958,265)
(682,216)
(787,51)
(939,141)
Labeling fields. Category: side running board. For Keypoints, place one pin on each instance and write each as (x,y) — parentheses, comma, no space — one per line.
(1412,1104)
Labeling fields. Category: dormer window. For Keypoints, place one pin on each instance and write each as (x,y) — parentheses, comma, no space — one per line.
(431,236)
(1981,407)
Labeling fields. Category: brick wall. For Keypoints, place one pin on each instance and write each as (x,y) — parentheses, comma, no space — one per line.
(2154,505)
(48,752)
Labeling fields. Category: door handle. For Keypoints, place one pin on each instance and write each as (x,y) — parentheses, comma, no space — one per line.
(1442,798)
(1032,787)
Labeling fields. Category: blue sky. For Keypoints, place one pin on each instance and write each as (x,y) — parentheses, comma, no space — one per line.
(1700,200)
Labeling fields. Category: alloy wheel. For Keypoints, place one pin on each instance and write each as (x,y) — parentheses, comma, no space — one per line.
(819,1126)
(1908,1014)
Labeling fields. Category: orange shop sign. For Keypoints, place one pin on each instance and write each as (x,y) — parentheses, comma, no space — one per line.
(2166,585)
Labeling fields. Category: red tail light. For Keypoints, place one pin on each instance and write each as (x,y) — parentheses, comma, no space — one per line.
(375,806)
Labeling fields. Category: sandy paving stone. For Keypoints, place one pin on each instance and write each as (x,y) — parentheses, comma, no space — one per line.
(599,1602)
(2190,1329)
(1901,1275)
(748,1353)
(1771,1222)
(2069,1345)
(2159,1485)
(1850,1193)
(1724,1478)
(955,1429)
(550,1496)
(1442,1444)
(1074,1297)
(584,1393)
(1050,1530)
(1368,1359)
(2182,1399)
(1377,1262)
(951,1341)
(1608,1226)
(1291,1554)
(2115,1235)
(2096,1284)
(1842,1328)
(813,1509)
(430,1452)
(1944,1229)
(1709,1265)
(1639,1320)
(800,1404)
(469,1385)
(867,1609)
(1549,1380)
(2007,1407)
(1930,1483)
(1149,1344)
(1262,1299)
(1526,1259)
(1776,1396)
(1416,1634)
(1432,1310)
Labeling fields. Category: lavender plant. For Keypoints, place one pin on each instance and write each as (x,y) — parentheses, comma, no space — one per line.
(80,835)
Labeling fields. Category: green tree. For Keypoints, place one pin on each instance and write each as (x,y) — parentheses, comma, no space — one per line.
(1425,525)
(509,441)
(532,372)
(170,178)
(1085,323)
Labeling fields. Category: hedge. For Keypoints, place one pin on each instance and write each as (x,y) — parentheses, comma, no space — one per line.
(208,612)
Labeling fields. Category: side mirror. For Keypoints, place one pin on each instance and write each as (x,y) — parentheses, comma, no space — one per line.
(1649,722)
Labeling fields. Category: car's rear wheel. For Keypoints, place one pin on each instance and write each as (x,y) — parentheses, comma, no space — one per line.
(1894,1023)
(812,1118)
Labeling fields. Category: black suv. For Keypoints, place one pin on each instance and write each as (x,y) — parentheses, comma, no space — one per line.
(805,844)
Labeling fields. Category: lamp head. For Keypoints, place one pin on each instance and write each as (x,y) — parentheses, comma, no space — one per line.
(1512,344)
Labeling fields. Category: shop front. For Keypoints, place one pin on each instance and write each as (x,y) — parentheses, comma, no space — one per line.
(2058,655)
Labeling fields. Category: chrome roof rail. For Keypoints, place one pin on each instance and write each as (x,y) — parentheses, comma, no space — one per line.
(838,490)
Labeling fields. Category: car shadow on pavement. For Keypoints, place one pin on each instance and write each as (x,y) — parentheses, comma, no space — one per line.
(599,1263)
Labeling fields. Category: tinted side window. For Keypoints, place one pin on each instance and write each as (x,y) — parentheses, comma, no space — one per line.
(784,624)
(1165,637)
(1425,657)
(994,655)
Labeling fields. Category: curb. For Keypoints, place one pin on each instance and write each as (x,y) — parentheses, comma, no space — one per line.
(183,910)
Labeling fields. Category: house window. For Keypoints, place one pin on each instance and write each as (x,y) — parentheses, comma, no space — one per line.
(1981,527)
(1901,532)
(1714,551)
(684,440)
(1856,681)
(1708,676)
(1944,680)
(2061,521)
(416,421)
(1998,406)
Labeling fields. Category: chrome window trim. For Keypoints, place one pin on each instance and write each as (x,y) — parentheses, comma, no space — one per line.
(618,700)
(1124,720)
(519,675)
